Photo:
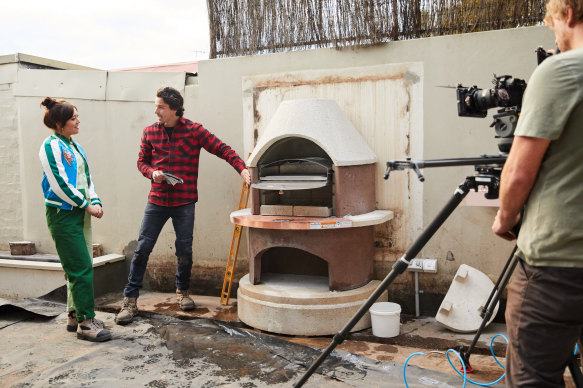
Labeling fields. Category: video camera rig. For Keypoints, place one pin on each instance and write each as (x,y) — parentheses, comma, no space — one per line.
(507,94)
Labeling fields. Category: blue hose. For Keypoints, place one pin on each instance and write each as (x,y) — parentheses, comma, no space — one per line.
(465,376)
(405,365)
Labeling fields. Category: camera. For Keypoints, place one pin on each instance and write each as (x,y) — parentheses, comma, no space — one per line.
(475,102)
(506,94)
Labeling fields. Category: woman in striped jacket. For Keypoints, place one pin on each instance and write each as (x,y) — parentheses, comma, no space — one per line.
(70,201)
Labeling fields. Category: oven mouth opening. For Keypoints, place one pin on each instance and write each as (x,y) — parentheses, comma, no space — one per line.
(295,174)
(296,187)
(294,177)
(293,261)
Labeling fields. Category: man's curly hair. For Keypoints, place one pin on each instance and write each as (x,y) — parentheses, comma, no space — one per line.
(173,98)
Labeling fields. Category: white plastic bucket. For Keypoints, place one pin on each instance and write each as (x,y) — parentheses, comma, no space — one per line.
(386,319)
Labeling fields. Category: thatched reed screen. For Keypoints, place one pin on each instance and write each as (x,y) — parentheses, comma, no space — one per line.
(245,27)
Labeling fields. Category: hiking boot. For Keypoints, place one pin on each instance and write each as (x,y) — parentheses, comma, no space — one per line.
(128,311)
(93,330)
(185,302)
(72,322)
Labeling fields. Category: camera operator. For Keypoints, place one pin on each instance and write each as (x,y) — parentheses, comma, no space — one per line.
(544,176)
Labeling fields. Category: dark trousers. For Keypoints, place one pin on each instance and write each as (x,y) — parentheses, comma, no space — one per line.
(544,319)
(154,219)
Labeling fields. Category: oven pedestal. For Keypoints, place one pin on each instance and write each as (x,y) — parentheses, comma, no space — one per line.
(301,304)
(289,289)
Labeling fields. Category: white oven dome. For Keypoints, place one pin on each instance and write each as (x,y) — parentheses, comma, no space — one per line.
(320,121)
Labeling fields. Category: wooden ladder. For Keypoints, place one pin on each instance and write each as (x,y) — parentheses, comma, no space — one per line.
(234,251)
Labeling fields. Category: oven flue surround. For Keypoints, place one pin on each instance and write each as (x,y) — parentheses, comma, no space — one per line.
(311,173)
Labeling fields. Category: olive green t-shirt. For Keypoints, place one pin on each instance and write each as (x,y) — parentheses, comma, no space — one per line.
(552,228)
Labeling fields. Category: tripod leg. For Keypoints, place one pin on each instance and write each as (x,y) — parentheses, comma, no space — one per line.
(491,305)
(398,268)
(575,370)
(497,285)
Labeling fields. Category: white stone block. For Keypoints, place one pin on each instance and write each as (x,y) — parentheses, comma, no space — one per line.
(276,210)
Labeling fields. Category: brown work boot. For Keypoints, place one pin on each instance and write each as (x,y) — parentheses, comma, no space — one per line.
(93,330)
(128,311)
(184,301)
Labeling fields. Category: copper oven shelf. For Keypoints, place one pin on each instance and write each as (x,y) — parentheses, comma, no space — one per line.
(245,218)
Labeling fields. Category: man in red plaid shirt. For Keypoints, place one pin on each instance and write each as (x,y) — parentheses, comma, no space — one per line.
(172,145)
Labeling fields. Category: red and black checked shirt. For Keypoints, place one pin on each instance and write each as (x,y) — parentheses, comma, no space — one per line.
(179,156)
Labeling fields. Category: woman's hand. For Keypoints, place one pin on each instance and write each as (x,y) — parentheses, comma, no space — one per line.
(95,210)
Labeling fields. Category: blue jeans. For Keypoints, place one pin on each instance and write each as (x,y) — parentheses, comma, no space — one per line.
(155,217)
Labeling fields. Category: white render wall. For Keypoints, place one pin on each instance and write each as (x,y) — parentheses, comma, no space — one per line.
(114,107)
(110,131)
(11,225)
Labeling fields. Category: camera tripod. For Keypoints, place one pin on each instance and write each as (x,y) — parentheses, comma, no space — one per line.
(488,170)
(488,310)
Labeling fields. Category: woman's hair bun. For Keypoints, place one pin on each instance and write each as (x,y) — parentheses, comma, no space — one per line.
(48,102)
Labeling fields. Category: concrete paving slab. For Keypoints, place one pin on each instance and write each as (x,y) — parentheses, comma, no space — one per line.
(425,332)
(150,303)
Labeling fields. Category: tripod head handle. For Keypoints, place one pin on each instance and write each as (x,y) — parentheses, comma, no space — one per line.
(402,165)
(418,172)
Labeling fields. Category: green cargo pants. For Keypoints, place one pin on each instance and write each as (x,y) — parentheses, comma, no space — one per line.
(71,232)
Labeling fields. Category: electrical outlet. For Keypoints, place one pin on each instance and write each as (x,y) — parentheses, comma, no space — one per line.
(430,265)
(416,265)
(423,265)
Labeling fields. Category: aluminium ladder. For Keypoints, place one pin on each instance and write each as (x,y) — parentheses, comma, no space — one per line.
(234,251)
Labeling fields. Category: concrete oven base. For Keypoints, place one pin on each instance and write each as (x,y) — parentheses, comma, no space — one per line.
(301,304)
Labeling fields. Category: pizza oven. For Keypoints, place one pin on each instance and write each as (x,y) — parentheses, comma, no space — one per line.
(312,197)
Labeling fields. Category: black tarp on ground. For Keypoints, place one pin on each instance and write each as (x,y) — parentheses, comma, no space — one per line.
(48,306)
(161,351)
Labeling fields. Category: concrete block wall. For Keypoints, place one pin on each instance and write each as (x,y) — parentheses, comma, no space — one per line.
(11,225)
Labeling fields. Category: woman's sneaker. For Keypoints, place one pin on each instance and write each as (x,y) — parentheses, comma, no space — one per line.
(72,322)
(93,330)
